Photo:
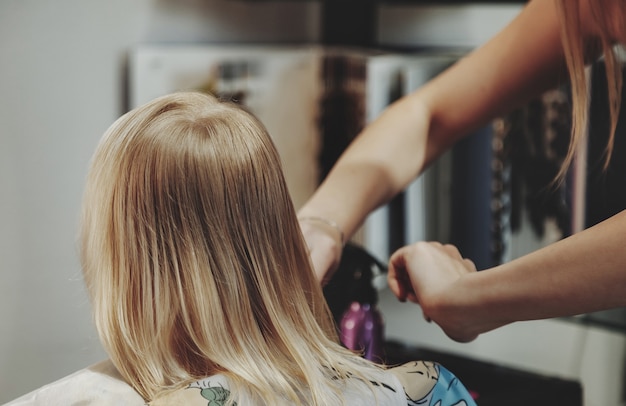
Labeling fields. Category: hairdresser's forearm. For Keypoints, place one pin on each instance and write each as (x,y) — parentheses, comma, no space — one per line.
(580,274)
(414,131)
(386,156)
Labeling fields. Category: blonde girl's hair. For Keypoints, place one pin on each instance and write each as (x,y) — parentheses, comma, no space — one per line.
(195,263)
(575,48)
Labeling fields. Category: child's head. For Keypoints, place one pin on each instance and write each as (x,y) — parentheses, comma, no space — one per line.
(192,253)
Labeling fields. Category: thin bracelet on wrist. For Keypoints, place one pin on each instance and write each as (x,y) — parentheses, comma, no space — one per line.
(327,222)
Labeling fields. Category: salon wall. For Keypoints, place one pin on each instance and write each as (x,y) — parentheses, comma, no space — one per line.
(62,84)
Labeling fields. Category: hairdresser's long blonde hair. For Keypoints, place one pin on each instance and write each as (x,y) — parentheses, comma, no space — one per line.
(575,47)
(195,262)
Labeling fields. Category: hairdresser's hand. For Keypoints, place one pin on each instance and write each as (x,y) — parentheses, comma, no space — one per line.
(324,249)
(429,274)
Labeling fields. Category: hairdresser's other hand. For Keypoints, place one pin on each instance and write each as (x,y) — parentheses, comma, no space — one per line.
(429,274)
(324,249)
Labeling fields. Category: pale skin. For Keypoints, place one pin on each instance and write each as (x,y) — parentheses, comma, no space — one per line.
(582,273)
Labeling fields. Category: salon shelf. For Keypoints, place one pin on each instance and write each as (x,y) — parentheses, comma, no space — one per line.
(613,320)
(353,22)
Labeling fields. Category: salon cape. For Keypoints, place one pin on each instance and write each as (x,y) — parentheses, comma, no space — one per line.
(414,383)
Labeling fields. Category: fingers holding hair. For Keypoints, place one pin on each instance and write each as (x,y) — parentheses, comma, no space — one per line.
(424,270)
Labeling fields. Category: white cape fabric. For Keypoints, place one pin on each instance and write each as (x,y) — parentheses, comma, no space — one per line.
(97,385)
(414,383)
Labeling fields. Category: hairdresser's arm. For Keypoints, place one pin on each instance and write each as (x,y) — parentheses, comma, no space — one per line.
(520,62)
(583,273)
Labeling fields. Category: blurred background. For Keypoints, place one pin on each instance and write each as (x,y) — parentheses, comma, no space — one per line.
(66,75)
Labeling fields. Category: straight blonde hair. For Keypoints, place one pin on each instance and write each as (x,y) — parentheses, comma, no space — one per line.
(576,50)
(195,262)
